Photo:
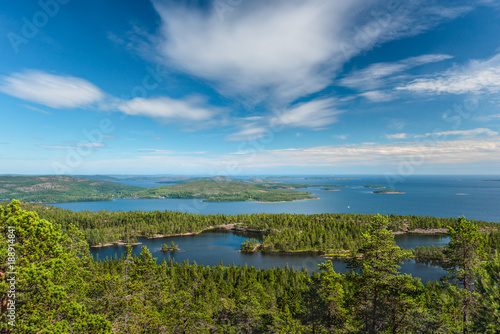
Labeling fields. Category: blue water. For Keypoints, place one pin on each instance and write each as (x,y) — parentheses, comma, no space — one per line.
(439,196)
(212,248)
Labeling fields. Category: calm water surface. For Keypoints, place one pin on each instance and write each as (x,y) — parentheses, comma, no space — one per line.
(439,196)
(212,248)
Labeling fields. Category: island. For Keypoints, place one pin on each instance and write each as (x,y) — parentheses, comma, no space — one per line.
(172,247)
(374,186)
(59,188)
(388,192)
(329,189)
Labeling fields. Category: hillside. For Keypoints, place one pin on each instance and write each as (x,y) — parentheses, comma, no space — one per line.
(57,188)
(223,191)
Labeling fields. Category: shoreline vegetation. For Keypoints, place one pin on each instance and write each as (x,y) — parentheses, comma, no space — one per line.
(60,288)
(388,192)
(332,235)
(61,189)
(171,247)
(374,186)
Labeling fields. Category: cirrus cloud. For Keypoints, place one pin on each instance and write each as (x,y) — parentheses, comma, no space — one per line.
(55,91)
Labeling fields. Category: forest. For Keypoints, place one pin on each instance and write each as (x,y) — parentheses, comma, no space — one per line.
(59,188)
(60,289)
(331,234)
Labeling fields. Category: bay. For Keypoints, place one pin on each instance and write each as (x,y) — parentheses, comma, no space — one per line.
(429,195)
(213,248)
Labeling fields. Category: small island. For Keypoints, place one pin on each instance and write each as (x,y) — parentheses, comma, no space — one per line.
(388,192)
(374,186)
(172,247)
(329,189)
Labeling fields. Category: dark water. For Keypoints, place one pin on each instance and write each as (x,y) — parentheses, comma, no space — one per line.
(212,248)
(439,196)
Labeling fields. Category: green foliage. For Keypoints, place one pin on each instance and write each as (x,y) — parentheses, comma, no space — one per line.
(488,288)
(59,289)
(172,247)
(464,254)
(249,245)
(48,278)
(386,298)
(57,188)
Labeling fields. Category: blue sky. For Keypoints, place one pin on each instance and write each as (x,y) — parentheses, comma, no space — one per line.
(239,87)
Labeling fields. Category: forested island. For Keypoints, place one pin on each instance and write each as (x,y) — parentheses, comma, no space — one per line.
(58,188)
(60,289)
(374,186)
(388,192)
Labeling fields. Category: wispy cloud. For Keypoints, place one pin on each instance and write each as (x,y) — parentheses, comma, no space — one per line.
(166,109)
(440,152)
(397,136)
(475,77)
(107,136)
(251,131)
(378,96)
(473,132)
(487,118)
(380,74)
(315,114)
(75,146)
(376,81)
(37,109)
(281,50)
(51,90)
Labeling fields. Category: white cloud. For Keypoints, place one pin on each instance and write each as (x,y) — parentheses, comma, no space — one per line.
(380,75)
(249,132)
(51,90)
(473,132)
(396,136)
(91,144)
(281,50)
(37,109)
(316,115)
(378,96)
(107,136)
(431,152)
(487,118)
(341,137)
(58,147)
(476,77)
(168,109)
(75,146)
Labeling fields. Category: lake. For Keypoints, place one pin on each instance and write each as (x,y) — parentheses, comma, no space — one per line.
(429,195)
(212,248)
(439,196)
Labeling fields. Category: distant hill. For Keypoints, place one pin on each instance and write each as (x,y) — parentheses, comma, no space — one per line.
(58,188)
(223,191)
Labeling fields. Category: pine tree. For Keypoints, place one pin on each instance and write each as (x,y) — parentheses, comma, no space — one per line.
(464,254)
